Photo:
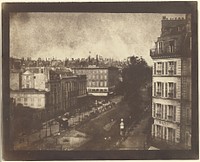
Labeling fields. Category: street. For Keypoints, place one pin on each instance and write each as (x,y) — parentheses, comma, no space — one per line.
(90,132)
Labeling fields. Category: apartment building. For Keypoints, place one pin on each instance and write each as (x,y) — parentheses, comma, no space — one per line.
(171,89)
(101,81)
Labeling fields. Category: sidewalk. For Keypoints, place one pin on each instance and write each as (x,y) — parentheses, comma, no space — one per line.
(136,138)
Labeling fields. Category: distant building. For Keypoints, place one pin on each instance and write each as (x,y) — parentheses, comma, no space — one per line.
(28,80)
(65,90)
(100,81)
(30,98)
(38,77)
(15,79)
(171,92)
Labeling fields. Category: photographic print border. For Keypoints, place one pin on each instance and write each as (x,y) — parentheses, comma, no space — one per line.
(95,7)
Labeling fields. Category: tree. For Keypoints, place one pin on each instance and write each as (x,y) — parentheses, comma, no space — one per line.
(136,75)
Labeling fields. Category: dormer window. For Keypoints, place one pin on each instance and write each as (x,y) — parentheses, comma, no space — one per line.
(172,46)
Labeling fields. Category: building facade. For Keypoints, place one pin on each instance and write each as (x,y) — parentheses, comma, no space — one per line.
(171,85)
(30,98)
(100,81)
(36,77)
(65,91)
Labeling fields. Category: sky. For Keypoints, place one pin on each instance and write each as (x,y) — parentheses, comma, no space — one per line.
(78,35)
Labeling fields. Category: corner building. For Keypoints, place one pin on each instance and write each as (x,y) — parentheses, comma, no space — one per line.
(171,85)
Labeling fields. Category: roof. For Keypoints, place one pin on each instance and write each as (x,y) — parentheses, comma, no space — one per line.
(27,72)
(93,68)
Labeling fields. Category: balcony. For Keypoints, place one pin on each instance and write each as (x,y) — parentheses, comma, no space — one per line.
(154,53)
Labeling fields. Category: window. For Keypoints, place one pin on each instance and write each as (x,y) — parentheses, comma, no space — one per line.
(153,130)
(188,139)
(172,90)
(105,84)
(172,113)
(154,110)
(101,84)
(159,131)
(172,46)
(159,68)
(165,133)
(165,111)
(158,111)
(19,99)
(188,116)
(160,47)
(172,68)
(155,68)
(160,89)
(27,86)
(171,135)
(166,68)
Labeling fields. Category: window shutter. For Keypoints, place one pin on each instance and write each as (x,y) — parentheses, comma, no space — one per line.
(166,68)
(174,135)
(166,90)
(154,88)
(163,68)
(154,110)
(174,90)
(162,89)
(161,111)
(155,68)
(165,111)
(174,67)
(174,113)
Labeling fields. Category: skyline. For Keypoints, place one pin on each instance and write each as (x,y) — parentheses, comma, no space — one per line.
(78,35)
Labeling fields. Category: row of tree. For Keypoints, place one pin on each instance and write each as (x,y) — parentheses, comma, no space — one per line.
(136,85)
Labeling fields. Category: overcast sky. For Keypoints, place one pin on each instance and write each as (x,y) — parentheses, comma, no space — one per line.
(61,35)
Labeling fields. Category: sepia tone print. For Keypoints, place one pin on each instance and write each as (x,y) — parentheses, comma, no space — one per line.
(100,81)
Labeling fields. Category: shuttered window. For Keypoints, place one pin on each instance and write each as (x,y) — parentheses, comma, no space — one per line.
(166,90)
(154,110)
(162,111)
(163,68)
(155,68)
(162,89)
(166,68)
(175,67)
(165,111)
(174,113)
(174,90)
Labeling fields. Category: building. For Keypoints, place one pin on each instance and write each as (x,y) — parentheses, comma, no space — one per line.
(65,91)
(171,87)
(15,79)
(36,77)
(30,98)
(101,81)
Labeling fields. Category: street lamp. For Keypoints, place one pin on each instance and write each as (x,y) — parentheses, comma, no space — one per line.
(122,127)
